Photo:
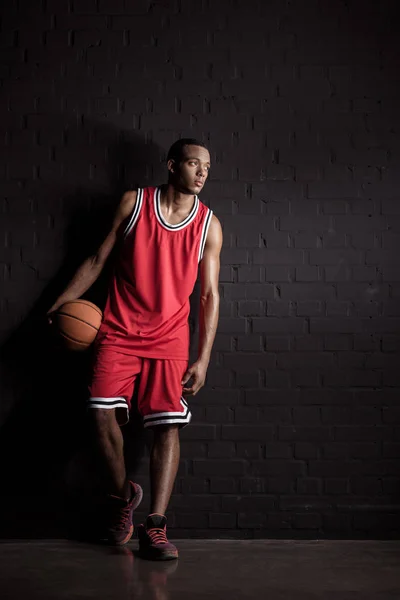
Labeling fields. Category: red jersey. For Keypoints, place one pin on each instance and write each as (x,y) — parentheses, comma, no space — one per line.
(147,308)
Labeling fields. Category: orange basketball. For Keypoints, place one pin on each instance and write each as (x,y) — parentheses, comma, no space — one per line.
(77,322)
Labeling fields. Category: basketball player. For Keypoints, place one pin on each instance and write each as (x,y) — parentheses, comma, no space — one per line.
(163,234)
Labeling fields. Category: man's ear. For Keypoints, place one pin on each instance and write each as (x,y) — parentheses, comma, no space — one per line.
(171,165)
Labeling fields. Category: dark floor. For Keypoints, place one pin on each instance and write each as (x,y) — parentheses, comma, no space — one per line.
(268,570)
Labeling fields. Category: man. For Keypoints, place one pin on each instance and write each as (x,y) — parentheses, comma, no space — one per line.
(164,234)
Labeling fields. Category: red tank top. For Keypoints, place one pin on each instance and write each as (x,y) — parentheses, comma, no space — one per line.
(147,308)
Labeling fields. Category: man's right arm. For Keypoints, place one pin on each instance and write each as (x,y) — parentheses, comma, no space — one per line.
(91,268)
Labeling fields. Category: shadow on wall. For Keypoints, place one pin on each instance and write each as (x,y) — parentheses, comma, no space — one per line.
(48,473)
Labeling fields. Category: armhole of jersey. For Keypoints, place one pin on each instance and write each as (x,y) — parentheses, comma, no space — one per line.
(135,213)
(204,232)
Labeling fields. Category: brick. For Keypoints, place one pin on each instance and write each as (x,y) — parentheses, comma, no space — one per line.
(215,467)
(250,274)
(252,520)
(275,414)
(223,485)
(306,415)
(279,309)
(366,486)
(231,325)
(307,521)
(279,450)
(339,415)
(344,325)
(201,502)
(282,520)
(317,434)
(248,450)
(309,291)
(246,414)
(276,274)
(308,485)
(219,414)
(275,467)
(189,449)
(247,432)
(278,325)
(335,257)
(366,415)
(253,485)
(220,450)
(365,450)
(191,520)
(305,450)
(266,397)
(308,309)
(333,190)
(234,256)
(256,291)
(308,343)
(306,273)
(277,240)
(261,503)
(221,397)
(390,414)
(250,309)
(277,257)
(359,223)
(356,378)
(360,434)
(277,343)
(336,486)
(249,343)
(198,431)
(223,520)
(304,360)
(318,224)
(194,485)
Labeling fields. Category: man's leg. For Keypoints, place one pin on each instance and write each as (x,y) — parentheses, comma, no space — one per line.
(124,496)
(165,411)
(164,462)
(110,445)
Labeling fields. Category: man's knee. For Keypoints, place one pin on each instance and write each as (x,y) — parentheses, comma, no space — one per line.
(103,419)
(165,432)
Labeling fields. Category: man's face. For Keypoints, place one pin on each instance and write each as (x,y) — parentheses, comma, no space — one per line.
(190,175)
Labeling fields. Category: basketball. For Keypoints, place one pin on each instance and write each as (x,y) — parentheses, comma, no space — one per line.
(77,323)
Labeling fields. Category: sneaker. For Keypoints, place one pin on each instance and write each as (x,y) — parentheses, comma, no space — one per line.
(120,526)
(153,542)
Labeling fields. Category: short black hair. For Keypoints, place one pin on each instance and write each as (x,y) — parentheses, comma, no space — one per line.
(176,151)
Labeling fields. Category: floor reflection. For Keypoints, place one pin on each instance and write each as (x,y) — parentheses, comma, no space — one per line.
(143,579)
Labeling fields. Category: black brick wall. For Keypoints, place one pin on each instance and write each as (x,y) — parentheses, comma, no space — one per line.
(296,433)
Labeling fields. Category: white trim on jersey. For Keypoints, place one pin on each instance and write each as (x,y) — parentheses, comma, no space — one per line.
(167,418)
(164,223)
(135,213)
(204,233)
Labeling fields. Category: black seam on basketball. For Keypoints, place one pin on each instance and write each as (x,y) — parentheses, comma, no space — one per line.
(78,319)
(86,303)
(71,339)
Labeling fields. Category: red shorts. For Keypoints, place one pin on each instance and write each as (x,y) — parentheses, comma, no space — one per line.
(160,400)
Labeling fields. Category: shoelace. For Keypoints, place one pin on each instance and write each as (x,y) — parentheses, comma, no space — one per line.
(121,518)
(158,536)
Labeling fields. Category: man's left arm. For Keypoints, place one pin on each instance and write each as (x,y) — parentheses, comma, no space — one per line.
(209,307)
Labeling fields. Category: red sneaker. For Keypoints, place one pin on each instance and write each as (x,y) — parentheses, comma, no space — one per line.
(120,526)
(153,542)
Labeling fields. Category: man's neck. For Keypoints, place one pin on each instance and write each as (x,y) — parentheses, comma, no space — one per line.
(175,199)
